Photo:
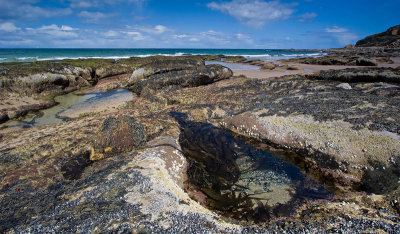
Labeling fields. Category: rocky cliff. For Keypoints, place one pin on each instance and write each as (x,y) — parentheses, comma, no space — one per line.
(389,38)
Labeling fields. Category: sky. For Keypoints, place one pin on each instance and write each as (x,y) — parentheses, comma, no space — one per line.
(284,24)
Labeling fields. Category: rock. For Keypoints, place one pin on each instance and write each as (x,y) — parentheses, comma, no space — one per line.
(349,46)
(268,66)
(103,72)
(346,138)
(381,39)
(75,165)
(182,78)
(13,114)
(366,62)
(38,83)
(292,68)
(344,86)
(395,44)
(234,59)
(349,75)
(121,134)
(3,117)
(163,66)
(326,60)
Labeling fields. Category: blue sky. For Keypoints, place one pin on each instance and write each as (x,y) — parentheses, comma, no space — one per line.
(192,24)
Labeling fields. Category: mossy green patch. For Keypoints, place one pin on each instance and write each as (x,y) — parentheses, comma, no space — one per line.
(89,62)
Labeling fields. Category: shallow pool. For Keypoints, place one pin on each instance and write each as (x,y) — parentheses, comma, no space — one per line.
(72,105)
(241,181)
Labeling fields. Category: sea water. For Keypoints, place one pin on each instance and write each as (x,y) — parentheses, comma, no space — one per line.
(31,55)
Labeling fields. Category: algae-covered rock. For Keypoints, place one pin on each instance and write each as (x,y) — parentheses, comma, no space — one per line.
(191,77)
(211,153)
(234,59)
(121,134)
(390,75)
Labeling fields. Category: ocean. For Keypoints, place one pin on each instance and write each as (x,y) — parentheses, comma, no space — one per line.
(31,55)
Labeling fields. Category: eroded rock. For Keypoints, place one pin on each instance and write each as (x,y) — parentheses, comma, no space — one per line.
(181,78)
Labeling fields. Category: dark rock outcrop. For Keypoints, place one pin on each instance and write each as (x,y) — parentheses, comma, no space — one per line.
(381,39)
(390,75)
(366,62)
(3,117)
(73,168)
(155,67)
(189,77)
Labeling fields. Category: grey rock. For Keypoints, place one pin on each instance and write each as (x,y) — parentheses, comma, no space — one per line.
(366,62)
(183,78)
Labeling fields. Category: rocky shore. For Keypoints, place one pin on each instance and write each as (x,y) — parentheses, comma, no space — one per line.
(192,150)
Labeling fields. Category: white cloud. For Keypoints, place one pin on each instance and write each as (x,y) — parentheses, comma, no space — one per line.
(25,10)
(94,17)
(8,27)
(342,35)
(84,4)
(309,16)
(137,36)
(336,29)
(214,37)
(111,33)
(158,29)
(245,38)
(67,28)
(55,31)
(181,36)
(255,13)
(58,36)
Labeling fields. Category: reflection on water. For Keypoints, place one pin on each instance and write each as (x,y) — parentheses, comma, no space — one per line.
(70,103)
(240,180)
(235,66)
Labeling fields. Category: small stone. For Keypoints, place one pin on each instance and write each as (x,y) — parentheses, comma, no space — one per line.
(344,86)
